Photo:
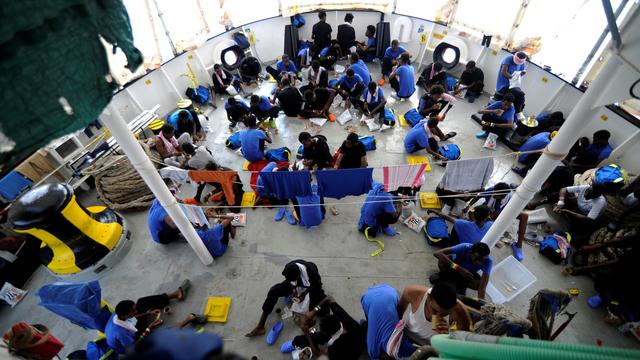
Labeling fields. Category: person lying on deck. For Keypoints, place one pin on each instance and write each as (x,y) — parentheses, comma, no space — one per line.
(467,231)
(497,117)
(133,320)
(431,106)
(460,266)
(340,336)
(164,231)
(497,202)
(302,281)
(252,140)
(421,306)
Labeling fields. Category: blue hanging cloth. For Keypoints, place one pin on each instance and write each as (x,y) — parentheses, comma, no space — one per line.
(79,303)
(344,182)
(285,185)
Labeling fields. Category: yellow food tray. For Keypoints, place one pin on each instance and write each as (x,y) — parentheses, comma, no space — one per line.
(429,200)
(419,159)
(217,309)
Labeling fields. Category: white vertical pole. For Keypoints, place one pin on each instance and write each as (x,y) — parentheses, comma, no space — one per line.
(555,152)
(119,130)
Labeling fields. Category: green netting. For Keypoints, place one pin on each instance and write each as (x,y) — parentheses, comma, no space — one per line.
(51,50)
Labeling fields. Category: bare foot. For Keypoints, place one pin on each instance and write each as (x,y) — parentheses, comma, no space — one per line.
(232,231)
(257,331)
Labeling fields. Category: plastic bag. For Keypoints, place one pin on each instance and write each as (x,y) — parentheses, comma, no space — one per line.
(231,90)
(345,117)
(516,80)
(11,294)
(491,142)
(318,121)
(371,124)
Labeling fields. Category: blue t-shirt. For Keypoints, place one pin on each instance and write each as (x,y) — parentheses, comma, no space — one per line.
(378,202)
(601,152)
(212,239)
(469,232)
(389,53)
(250,144)
(373,100)
(155,220)
(417,138)
(324,52)
(361,69)
(173,118)
(280,66)
(349,84)
(118,337)
(507,115)
(260,184)
(406,79)
(511,68)
(536,142)
(264,104)
(371,42)
(239,102)
(462,257)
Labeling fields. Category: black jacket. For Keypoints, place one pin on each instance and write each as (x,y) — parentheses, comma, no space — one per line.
(346,37)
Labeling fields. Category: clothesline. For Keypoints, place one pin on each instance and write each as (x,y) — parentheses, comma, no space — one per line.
(464,195)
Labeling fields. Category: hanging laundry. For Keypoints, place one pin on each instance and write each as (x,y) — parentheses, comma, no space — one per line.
(402,176)
(255,168)
(344,182)
(309,209)
(225,178)
(287,184)
(466,175)
(178,175)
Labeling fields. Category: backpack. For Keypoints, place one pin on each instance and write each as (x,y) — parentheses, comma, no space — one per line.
(233,141)
(298,20)
(450,151)
(390,116)
(278,155)
(300,153)
(201,95)
(436,232)
(611,175)
(241,39)
(32,341)
(413,117)
(552,247)
(368,141)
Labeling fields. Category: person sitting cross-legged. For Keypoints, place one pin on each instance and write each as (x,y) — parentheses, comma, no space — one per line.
(498,117)
(252,141)
(460,266)
(222,79)
(317,102)
(350,87)
(373,103)
(352,154)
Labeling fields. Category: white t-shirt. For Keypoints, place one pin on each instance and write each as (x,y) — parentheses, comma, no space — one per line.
(593,208)
(200,159)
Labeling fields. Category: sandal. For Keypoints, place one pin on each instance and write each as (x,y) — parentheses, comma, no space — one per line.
(184,288)
(199,319)
(450,135)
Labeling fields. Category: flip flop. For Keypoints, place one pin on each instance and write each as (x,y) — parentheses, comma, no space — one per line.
(290,218)
(199,319)
(280,214)
(287,347)
(186,284)
(275,331)
(451,134)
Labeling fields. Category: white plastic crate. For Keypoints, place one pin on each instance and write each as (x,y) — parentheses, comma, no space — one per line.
(508,279)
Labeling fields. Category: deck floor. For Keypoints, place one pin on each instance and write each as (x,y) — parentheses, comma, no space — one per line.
(256,257)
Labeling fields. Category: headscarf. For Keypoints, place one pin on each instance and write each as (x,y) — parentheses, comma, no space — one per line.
(518,60)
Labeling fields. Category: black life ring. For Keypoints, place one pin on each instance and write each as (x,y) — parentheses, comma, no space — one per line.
(438,55)
(239,55)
